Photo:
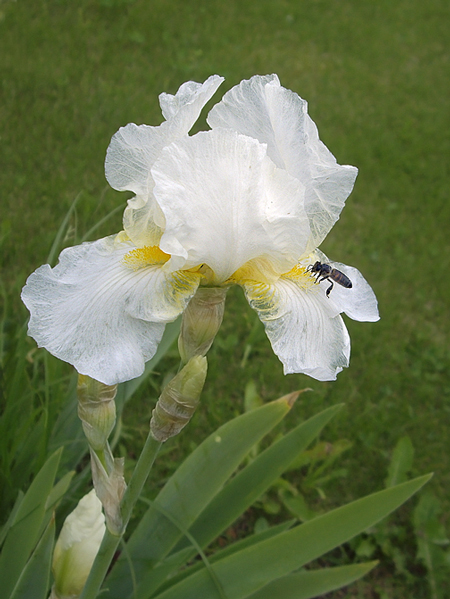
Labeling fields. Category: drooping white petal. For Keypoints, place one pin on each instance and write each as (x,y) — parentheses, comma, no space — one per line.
(263,109)
(225,203)
(135,148)
(100,315)
(359,302)
(304,330)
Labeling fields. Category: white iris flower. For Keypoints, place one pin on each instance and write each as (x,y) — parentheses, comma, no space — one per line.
(247,202)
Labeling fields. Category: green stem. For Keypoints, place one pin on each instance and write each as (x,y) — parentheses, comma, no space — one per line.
(110,542)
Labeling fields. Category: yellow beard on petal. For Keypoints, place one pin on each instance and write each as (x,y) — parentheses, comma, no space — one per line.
(146,256)
(301,277)
(259,270)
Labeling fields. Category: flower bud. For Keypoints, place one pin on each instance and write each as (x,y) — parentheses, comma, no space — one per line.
(201,321)
(77,546)
(96,409)
(178,400)
(110,487)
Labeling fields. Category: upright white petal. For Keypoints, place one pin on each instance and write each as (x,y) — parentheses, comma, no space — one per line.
(262,109)
(135,148)
(189,100)
(304,329)
(225,203)
(100,315)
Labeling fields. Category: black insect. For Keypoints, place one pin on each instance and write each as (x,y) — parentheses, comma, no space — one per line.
(325,271)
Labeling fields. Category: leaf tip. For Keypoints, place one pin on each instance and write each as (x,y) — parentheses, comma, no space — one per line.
(291,398)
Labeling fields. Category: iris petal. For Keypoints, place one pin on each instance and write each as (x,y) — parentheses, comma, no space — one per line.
(134,149)
(359,302)
(263,109)
(225,203)
(100,315)
(304,331)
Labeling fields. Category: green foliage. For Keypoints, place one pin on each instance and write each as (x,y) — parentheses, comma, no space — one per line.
(198,503)
(26,555)
(401,462)
(312,583)
(432,543)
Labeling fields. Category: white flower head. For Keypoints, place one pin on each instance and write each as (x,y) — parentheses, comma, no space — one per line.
(247,202)
(77,546)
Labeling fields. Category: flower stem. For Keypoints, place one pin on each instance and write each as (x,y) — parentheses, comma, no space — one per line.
(110,542)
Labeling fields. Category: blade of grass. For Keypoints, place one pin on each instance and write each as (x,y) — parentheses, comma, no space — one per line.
(56,245)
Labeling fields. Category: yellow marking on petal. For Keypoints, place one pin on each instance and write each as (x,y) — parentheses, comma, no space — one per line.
(262,297)
(301,276)
(181,285)
(254,271)
(146,256)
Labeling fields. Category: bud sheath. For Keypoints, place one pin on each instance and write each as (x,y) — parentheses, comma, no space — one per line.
(178,400)
(201,321)
(96,409)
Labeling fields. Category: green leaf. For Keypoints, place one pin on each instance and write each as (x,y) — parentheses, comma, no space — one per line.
(190,489)
(401,462)
(233,548)
(25,530)
(247,571)
(313,583)
(298,506)
(153,578)
(11,518)
(67,431)
(59,491)
(249,484)
(35,578)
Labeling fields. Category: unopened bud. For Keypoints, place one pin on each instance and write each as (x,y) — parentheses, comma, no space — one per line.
(178,400)
(77,546)
(201,321)
(96,409)
(110,487)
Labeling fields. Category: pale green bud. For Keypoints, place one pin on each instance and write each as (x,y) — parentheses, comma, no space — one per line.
(96,409)
(110,487)
(201,321)
(178,400)
(77,546)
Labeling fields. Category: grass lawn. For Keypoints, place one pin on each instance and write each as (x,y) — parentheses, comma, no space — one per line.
(376,76)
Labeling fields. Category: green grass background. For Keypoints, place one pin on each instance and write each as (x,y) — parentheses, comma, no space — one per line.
(376,76)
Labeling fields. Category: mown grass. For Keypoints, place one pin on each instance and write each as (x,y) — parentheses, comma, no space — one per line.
(376,76)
